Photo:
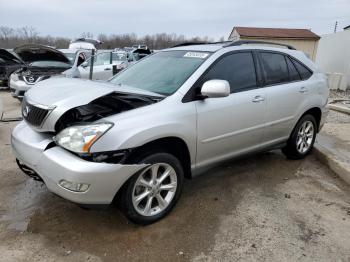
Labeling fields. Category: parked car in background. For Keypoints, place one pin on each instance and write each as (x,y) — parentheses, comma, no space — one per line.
(41,63)
(76,57)
(106,64)
(170,116)
(85,43)
(9,62)
(140,46)
(140,53)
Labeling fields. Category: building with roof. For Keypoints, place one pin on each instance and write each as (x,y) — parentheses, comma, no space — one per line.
(302,39)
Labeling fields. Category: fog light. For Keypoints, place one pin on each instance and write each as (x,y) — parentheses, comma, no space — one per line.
(75,187)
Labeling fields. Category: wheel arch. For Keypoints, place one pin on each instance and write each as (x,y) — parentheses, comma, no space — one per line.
(316,112)
(172,145)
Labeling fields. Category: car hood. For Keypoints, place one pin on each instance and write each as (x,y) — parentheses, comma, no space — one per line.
(71,92)
(33,53)
(8,57)
(76,100)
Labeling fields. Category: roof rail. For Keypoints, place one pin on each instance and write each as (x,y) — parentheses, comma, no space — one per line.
(246,42)
(202,43)
(191,43)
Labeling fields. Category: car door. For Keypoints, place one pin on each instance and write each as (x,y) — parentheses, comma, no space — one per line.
(285,92)
(102,70)
(231,125)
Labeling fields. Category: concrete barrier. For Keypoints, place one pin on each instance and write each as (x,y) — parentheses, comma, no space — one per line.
(340,108)
(332,152)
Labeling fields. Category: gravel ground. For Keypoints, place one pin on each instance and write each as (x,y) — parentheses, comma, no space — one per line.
(259,208)
(335,117)
(337,94)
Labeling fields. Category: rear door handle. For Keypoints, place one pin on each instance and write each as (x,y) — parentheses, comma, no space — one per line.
(107,68)
(258,99)
(303,89)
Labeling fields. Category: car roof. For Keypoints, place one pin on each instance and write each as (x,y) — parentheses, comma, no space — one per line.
(240,44)
(213,47)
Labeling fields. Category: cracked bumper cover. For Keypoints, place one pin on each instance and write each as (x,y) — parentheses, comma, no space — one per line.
(56,164)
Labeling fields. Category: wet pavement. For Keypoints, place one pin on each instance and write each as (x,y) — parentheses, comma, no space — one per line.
(262,207)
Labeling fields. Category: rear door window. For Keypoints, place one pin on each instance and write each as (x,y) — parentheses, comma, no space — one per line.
(304,72)
(238,69)
(275,68)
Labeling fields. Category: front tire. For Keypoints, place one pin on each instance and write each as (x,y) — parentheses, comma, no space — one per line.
(153,192)
(302,139)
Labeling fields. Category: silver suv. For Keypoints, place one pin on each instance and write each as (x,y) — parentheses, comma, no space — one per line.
(170,116)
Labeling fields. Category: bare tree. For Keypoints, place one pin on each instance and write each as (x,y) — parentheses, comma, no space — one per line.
(87,35)
(6,32)
(12,37)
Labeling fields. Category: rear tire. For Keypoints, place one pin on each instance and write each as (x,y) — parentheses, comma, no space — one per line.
(302,139)
(152,193)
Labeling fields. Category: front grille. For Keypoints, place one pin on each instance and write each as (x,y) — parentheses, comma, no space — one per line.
(31,79)
(34,115)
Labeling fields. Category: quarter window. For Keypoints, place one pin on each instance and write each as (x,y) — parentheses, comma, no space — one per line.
(293,73)
(304,72)
(274,68)
(238,69)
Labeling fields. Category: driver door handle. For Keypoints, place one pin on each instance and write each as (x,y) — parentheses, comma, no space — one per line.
(108,68)
(258,99)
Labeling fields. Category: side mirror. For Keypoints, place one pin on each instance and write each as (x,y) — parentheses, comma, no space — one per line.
(85,64)
(215,88)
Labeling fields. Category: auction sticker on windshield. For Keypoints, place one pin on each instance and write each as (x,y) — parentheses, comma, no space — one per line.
(196,55)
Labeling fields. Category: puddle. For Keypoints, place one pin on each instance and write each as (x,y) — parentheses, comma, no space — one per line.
(23,205)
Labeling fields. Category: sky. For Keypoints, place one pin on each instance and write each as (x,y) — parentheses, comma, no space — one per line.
(213,18)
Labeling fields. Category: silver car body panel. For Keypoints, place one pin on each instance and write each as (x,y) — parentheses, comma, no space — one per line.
(214,129)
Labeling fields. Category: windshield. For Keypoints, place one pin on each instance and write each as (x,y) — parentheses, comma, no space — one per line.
(163,72)
(71,57)
(50,64)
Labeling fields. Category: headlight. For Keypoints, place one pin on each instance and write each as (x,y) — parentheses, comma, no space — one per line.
(79,139)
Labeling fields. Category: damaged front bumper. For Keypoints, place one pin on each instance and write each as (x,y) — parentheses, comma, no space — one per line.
(56,166)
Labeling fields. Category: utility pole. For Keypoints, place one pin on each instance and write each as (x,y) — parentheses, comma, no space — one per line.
(335,26)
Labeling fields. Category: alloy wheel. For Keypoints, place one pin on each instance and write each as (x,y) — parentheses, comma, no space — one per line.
(305,137)
(154,189)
